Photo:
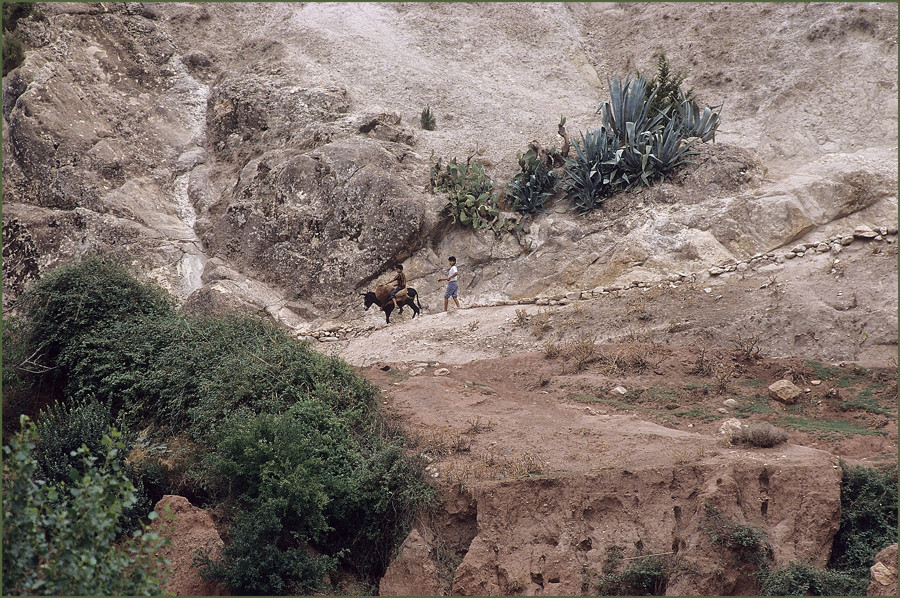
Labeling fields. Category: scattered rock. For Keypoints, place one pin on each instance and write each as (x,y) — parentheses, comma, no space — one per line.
(884,573)
(619,390)
(442,372)
(729,427)
(730,403)
(784,391)
(864,232)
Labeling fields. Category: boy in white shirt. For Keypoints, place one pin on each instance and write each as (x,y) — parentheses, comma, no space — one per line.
(452,285)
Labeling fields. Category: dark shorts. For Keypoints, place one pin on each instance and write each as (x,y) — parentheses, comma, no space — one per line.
(395,291)
(452,288)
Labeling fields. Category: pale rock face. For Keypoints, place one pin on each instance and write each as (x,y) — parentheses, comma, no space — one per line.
(784,391)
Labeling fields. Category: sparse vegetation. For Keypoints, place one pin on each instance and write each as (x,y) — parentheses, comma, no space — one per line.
(759,434)
(748,543)
(427,119)
(641,575)
(747,346)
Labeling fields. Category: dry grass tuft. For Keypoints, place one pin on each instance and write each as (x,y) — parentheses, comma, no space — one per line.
(540,323)
(759,434)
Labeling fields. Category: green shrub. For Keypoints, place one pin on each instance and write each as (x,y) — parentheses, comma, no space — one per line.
(748,543)
(800,579)
(645,576)
(281,471)
(13,52)
(532,186)
(291,440)
(72,300)
(185,373)
(471,200)
(62,429)
(868,519)
(372,514)
(62,539)
(427,119)
(669,95)
(300,477)
(255,561)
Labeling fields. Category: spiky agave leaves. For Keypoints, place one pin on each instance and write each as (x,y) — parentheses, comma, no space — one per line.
(629,102)
(532,187)
(669,149)
(698,123)
(595,172)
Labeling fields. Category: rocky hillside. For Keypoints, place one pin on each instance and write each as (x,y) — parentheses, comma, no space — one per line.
(268,158)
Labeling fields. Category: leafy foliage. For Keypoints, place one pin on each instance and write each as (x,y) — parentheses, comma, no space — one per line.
(747,542)
(800,579)
(62,429)
(71,300)
(868,518)
(646,576)
(427,119)
(61,539)
(533,185)
(669,95)
(290,441)
(471,200)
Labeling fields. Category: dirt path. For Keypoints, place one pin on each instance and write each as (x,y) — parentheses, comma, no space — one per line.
(493,392)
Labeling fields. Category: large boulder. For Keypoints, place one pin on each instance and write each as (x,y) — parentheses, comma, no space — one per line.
(189,529)
(884,573)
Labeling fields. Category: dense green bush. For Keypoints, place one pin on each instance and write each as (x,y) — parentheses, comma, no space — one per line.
(185,373)
(301,478)
(72,300)
(868,519)
(62,429)
(62,539)
(800,579)
(291,442)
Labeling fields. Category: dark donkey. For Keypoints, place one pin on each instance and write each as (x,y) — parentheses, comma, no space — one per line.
(381,298)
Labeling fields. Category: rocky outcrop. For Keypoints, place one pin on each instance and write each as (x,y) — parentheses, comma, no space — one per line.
(190,531)
(884,573)
(550,536)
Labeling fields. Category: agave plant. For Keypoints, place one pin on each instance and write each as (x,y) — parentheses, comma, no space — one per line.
(698,123)
(669,149)
(595,172)
(532,187)
(629,102)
